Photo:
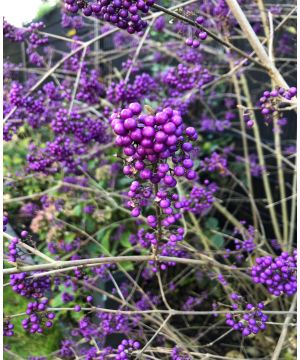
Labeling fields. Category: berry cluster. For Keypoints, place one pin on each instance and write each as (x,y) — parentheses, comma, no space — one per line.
(215,125)
(66,297)
(199,35)
(12,33)
(90,88)
(183,78)
(61,150)
(125,349)
(38,318)
(178,354)
(74,133)
(36,110)
(32,36)
(271,101)
(249,122)
(111,323)
(215,163)
(29,287)
(5,222)
(147,239)
(190,56)
(278,274)
(142,86)
(170,249)
(251,322)
(149,139)
(200,198)
(8,328)
(122,13)
(83,129)
(248,242)
(13,250)
(151,143)
(73,22)
(66,350)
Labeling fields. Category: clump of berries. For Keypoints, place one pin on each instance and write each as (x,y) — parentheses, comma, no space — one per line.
(199,35)
(148,140)
(125,349)
(250,322)
(272,101)
(38,318)
(5,222)
(30,287)
(278,274)
(125,14)
(8,328)
(249,122)
(157,148)
(178,354)
(201,198)
(12,249)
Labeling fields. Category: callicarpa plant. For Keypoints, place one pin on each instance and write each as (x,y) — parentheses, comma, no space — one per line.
(150,181)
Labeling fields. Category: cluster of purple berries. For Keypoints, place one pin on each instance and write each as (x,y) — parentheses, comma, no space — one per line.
(200,198)
(91,88)
(149,139)
(146,239)
(251,322)
(215,163)
(33,38)
(248,242)
(29,287)
(182,78)
(8,328)
(249,122)
(73,22)
(178,354)
(5,222)
(168,203)
(278,274)
(125,349)
(122,13)
(271,100)
(171,249)
(143,85)
(38,318)
(13,250)
(151,143)
(199,35)
(113,323)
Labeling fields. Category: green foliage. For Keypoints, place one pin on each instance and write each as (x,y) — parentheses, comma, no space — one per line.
(44,9)
(218,241)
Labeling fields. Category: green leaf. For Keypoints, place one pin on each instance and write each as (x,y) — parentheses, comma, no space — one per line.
(90,225)
(127,265)
(212,223)
(69,237)
(218,241)
(57,301)
(124,241)
(77,210)
(104,237)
